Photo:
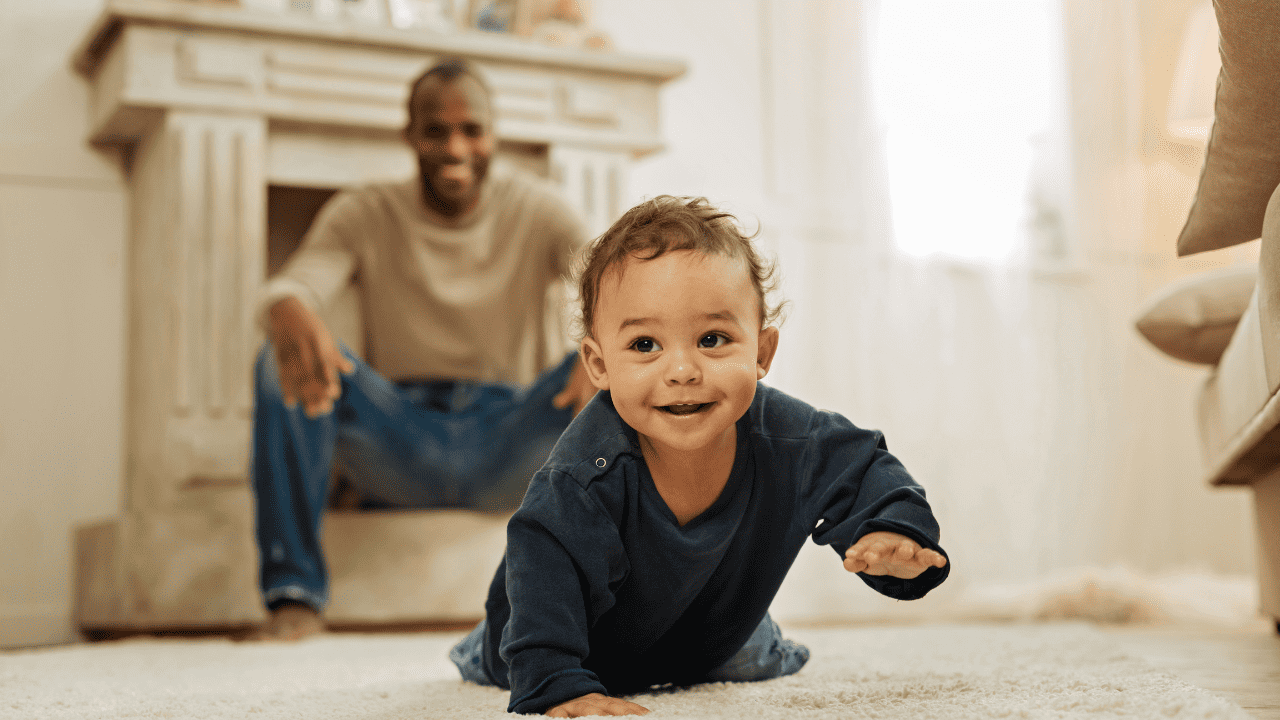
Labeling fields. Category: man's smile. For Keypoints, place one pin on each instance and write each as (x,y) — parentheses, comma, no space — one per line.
(455,172)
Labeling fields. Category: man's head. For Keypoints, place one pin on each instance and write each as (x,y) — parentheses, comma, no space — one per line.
(451,131)
(676,321)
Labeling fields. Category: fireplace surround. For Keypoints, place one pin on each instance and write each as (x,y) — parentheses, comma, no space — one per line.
(232,124)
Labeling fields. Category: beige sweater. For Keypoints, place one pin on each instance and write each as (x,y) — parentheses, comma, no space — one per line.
(477,298)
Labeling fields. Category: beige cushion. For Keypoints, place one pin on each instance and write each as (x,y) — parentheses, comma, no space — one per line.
(1242,164)
(1193,319)
(1238,415)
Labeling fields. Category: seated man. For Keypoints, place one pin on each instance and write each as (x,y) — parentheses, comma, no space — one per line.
(449,410)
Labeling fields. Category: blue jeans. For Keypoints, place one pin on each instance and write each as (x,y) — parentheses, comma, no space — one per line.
(765,655)
(408,445)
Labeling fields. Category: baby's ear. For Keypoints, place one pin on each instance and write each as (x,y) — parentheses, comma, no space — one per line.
(593,360)
(764,353)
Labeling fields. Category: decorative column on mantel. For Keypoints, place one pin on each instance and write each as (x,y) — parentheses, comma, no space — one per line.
(212,103)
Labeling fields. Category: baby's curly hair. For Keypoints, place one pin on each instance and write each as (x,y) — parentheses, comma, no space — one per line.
(666,224)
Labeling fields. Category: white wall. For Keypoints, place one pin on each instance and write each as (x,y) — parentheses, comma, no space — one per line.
(62,229)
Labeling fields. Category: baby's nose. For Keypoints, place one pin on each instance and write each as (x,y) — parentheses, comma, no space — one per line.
(684,370)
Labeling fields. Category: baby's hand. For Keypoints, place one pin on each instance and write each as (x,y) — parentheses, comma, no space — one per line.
(596,704)
(888,553)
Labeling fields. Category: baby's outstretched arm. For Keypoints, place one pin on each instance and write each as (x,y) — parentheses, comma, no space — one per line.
(888,553)
(596,704)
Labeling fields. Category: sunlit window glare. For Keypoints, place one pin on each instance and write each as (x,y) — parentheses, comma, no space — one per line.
(963,87)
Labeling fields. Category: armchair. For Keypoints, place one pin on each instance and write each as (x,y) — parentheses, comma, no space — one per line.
(1231,319)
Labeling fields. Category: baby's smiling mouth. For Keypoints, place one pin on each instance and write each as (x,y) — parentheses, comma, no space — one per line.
(684,409)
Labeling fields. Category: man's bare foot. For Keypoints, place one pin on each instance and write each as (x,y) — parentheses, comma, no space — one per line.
(289,622)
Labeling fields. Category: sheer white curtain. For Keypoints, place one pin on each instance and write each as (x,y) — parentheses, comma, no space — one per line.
(977,305)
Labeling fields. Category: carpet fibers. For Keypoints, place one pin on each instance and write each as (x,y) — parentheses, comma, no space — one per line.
(950,672)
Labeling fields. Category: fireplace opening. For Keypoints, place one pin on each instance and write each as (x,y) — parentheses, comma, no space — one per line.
(290,211)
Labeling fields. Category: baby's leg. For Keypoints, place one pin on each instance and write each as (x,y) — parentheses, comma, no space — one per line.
(765,655)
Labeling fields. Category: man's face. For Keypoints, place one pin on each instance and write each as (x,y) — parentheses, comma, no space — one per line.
(677,341)
(451,131)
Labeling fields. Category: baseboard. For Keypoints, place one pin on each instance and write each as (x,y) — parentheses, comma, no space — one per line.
(35,625)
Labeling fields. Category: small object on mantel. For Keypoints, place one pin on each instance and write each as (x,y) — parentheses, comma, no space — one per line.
(561,23)
(435,15)
(566,23)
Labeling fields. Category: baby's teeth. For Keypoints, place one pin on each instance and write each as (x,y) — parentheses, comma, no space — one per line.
(683,409)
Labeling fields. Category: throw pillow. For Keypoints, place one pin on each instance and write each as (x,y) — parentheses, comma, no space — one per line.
(1242,163)
(1194,318)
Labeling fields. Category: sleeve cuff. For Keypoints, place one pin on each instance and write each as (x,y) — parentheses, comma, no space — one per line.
(558,687)
(277,289)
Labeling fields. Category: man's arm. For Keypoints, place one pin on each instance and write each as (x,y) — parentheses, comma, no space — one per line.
(307,358)
(568,237)
(577,391)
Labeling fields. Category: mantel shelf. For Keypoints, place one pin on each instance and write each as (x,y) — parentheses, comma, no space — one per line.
(147,57)
(119,13)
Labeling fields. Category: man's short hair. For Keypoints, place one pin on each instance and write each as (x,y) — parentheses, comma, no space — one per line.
(447,70)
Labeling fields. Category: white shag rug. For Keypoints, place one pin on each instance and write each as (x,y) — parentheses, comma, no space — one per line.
(949,672)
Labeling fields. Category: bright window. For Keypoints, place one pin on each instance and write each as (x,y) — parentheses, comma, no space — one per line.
(965,89)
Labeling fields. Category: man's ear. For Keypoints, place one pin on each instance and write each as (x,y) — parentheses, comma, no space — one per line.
(593,360)
(764,354)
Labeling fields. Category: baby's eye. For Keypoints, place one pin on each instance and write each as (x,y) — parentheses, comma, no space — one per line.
(712,340)
(645,345)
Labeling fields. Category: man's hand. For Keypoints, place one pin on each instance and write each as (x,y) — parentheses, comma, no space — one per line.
(888,553)
(307,358)
(577,391)
(596,704)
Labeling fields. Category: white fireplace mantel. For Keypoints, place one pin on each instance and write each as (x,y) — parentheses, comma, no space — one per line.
(213,104)
(145,56)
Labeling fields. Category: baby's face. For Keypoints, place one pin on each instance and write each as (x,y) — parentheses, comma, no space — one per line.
(677,341)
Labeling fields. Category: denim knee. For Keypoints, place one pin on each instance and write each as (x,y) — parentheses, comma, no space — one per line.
(266,373)
(765,655)
(468,655)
